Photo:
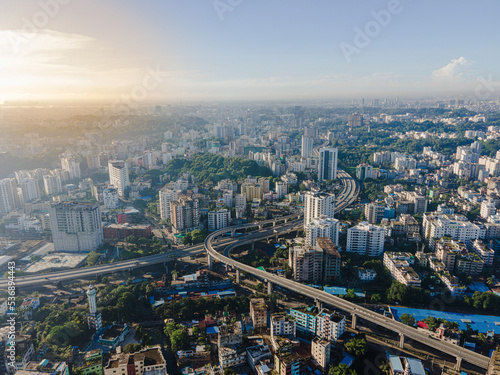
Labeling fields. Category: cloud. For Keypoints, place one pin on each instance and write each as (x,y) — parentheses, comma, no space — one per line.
(454,70)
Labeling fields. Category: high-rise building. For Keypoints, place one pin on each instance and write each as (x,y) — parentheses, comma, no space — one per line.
(28,190)
(488,209)
(319,264)
(52,184)
(364,171)
(322,227)
(328,157)
(317,204)
(75,227)
(374,212)
(366,239)
(167,196)
(72,166)
(330,325)
(320,351)
(240,205)
(227,198)
(9,199)
(118,175)
(185,213)
(218,219)
(93,162)
(264,183)
(307,146)
(110,198)
(251,191)
(281,189)
(355,121)
(94,318)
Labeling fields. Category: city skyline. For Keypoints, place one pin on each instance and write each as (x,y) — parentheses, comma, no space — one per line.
(238,50)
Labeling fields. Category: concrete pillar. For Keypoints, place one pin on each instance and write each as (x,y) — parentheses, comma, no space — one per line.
(238,275)
(286,221)
(269,287)
(233,232)
(274,223)
(353,321)
(210,261)
(401,340)
(459,364)
(260,226)
(253,246)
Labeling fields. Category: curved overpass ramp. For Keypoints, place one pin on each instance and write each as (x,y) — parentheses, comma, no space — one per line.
(293,222)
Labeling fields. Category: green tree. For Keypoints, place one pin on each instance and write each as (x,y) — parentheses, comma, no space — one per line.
(376,298)
(93,258)
(131,348)
(341,369)
(396,292)
(357,346)
(408,319)
(178,339)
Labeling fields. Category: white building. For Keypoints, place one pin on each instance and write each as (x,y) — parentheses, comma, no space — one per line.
(327,163)
(322,227)
(399,265)
(28,190)
(367,274)
(227,198)
(218,219)
(330,326)
(70,165)
(110,198)
(318,204)
(75,227)
(366,239)
(118,175)
(320,352)
(364,171)
(240,204)
(9,199)
(437,225)
(167,196)
(281,189)
(487,209)
(52,184)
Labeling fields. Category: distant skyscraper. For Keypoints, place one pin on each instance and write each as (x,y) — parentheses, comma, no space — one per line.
(9,199)
(166,196)
(29,190)
(327,164)
(71,166)
(118,175)
(93,161)
(75,227)
(52,184)
(307,146)
(355,121)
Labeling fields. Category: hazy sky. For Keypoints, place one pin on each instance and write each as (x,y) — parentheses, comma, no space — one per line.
(157,50)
